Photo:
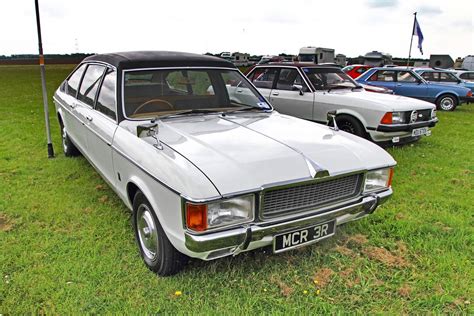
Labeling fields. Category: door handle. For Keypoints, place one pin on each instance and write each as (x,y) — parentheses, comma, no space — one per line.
(275,93)
(89,118)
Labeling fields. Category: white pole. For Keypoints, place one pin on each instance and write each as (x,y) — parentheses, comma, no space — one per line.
(411,41)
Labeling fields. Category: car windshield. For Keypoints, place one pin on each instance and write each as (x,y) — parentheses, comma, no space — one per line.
(153,93)
(329,78)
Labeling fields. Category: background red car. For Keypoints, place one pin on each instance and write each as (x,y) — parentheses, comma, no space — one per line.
(355,71)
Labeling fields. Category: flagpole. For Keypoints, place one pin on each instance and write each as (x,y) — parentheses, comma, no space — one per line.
(43,83)
(411,41)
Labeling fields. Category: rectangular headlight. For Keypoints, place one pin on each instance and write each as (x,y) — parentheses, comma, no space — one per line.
(201,217)
(377,180)
(398,118)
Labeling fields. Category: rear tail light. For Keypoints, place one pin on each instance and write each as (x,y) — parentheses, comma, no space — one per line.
(387,118)
(469,94)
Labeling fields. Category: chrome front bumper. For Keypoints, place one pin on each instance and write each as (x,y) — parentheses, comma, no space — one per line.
(255,235)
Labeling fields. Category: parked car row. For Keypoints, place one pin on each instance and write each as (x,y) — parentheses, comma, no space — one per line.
(213,163)
(439,86)
(209,168)
(405,81)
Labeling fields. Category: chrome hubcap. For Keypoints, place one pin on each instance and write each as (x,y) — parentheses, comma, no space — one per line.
(447,103)
(64,139)
(147,232)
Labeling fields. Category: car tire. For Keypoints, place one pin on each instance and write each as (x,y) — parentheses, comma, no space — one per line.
(446,102)
(351,125)
(69,149)
(156,250)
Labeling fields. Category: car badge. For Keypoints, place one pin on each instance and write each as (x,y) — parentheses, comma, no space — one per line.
(413,116)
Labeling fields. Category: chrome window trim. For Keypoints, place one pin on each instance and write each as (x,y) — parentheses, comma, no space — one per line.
(115,96)
(122,97)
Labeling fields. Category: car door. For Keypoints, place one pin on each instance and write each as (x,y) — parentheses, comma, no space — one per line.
(410,86)
(73,116)
(263,78)
(291,94)
(102,123)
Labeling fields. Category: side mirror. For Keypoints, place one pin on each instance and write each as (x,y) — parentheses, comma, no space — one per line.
(149,128)
(297,87)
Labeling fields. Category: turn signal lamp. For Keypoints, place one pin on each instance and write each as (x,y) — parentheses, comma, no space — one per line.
(196,217)
(387,118)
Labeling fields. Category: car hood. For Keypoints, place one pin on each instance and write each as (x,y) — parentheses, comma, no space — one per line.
(387,102)
(245,151)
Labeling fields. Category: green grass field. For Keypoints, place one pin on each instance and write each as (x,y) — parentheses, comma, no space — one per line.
(67,246)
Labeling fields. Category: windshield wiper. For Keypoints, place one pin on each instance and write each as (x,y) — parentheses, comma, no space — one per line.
(242,108)
(338,87)
(184,112)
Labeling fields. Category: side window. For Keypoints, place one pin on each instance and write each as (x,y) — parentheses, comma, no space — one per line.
(447,77)
(106,100)
(383,75)
(73,82)
(361,70)
(288,78)
(430,76)
(90,84)
(405,76)
(263,77)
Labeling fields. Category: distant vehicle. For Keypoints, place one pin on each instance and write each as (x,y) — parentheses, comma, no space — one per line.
(270,59)
(377,59)
(226,55)
(355,71)
(404,81)
(311,91)
(317,55)
(443,77)
(465,75)
(468,62)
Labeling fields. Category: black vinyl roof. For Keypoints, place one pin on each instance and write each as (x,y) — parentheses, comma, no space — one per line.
(151,59)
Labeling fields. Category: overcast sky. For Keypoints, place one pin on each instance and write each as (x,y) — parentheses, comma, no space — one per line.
(352,27)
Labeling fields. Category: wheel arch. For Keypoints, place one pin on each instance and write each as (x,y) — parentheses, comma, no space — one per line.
(355,115)
(449,92)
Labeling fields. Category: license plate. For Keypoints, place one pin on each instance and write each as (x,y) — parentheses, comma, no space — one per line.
(304,236)
(421,131)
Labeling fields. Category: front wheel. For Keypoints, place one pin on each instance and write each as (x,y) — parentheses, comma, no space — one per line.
(351,125)
(156,250)
(447,102)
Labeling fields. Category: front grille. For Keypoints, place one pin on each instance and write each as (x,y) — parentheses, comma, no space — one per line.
(423,115)
(300,197)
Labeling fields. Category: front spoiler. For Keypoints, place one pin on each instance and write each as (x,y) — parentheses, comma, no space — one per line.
(256,235)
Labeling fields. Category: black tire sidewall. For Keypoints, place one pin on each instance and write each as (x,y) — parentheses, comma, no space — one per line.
(357,127)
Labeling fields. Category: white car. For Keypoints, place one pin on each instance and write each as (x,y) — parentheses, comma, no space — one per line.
(310,91)
(207,170)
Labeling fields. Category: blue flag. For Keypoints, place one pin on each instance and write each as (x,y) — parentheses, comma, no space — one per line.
(417,32)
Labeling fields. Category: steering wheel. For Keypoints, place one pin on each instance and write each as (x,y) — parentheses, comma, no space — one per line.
(154,101)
